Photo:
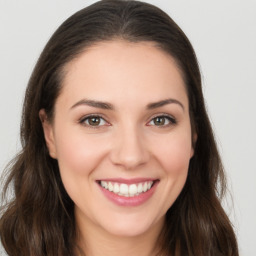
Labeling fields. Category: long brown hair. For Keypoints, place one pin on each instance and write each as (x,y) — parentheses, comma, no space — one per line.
(39,220)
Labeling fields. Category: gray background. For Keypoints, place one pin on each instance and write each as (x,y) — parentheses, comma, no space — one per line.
(223,34)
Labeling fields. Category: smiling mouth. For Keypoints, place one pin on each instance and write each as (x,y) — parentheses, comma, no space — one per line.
(127,190)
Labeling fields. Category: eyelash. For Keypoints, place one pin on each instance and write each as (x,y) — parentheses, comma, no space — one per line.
(171,120)
(84,121)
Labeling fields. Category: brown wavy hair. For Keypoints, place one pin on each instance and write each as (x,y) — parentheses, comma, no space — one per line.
(39,220)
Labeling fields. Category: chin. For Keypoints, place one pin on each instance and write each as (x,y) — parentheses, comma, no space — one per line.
(132,226)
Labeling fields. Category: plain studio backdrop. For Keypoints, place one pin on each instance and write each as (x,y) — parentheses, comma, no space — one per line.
(223,34)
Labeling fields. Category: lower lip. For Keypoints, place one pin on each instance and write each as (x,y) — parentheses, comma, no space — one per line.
(129,201)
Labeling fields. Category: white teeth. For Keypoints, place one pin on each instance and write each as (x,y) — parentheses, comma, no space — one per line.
(104,184)
(110,186)
(116,188)
(145,187)
(140,188)
(125,189)
(133,190)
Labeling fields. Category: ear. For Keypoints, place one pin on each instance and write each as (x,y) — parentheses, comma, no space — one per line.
(194,140)
(48,133)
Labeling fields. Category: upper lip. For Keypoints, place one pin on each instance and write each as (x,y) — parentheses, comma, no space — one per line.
(128,181)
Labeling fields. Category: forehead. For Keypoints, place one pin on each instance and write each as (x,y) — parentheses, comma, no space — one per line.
(117,68)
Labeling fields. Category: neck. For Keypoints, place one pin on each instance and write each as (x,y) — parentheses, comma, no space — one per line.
(95,241)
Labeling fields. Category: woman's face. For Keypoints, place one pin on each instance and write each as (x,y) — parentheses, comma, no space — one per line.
(122,136)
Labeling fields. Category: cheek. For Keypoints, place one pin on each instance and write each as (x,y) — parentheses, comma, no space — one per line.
(77,154)
(174,155)
(175,160)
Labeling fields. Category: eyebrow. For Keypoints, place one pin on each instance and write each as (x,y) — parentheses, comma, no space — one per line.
(109,106)
(94,103)
(162,103)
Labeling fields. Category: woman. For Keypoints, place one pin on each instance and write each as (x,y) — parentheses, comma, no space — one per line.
(118,155)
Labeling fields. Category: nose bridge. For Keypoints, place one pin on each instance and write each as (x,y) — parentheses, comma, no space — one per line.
(129,148)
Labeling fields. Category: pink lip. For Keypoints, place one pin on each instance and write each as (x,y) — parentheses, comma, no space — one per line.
(129,201)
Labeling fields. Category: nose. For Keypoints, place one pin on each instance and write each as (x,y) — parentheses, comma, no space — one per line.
(129,149)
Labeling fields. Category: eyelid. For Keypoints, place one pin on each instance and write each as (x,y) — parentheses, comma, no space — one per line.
(171,119)
(84,118)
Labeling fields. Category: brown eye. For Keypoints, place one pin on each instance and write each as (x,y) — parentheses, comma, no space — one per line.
(159,120)
(93,121)
(162,121)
